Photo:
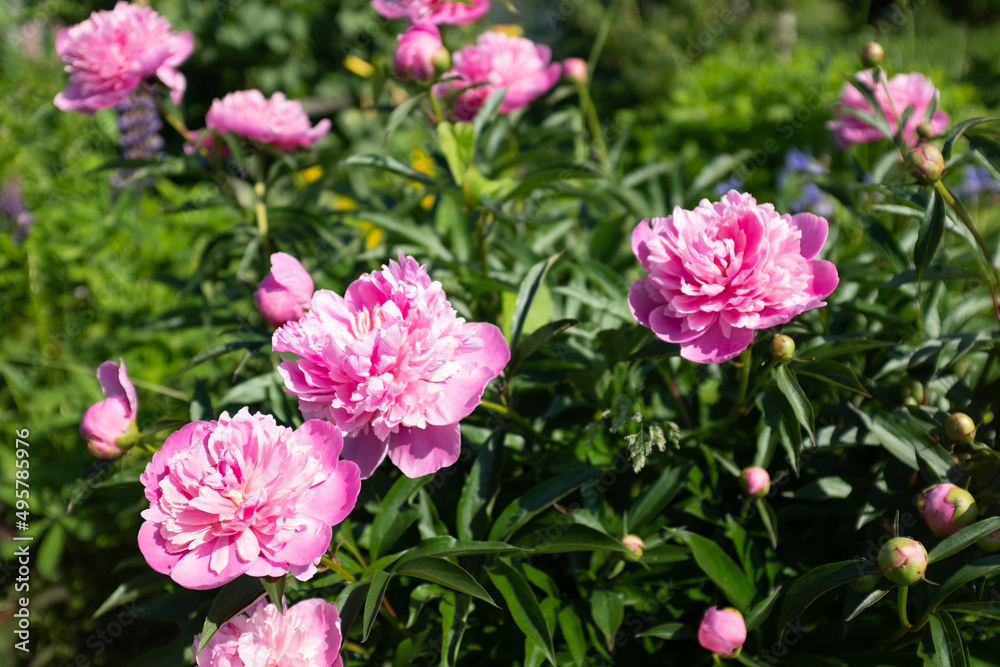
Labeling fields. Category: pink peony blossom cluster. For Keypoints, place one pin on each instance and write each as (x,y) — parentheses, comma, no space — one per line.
(432,11)
(306,635)
(392,366)
(277,121)
(894,96)
(285,292)
(496,61)
(109,425)
(725,269)
(243,495)
(112,52)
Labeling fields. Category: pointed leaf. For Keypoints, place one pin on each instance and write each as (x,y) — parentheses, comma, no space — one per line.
(657,496)
(721,569)
(835,373)
(523,606)
(526,294)
(232,598)
(817,582)
(380,581)
(400,113)
(440,571)
(931,233)
(963,538)
(608,611)
(275,587)
(538,499)
(982,567)
(762,610)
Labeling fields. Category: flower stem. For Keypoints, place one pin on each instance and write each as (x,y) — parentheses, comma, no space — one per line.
(904,623)
(260,208)
(435,105)
(589,111)
(963,215)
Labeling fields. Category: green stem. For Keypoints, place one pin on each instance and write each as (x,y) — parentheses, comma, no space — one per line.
(337,567)
(260,208)
(589,111)
(904,623)
(435,105)
(172,119)
(963,215)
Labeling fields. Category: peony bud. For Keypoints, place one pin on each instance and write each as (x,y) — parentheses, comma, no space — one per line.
(960,428)
(926,131)
(418,54)
(864,584)
(755,481)
(872,54)
(903,561)
(109,425)
(722,631)
(285,293)
(634,544)
(990,541)
(782,347)
(575,69)
(947,508)
(926,164)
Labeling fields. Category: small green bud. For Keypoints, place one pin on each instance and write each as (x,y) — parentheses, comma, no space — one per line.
(925,131)
(990,541)
(960,428)
(926,164)
(635,545)
(864,584)
(872,54)
(782,347)
(903,561)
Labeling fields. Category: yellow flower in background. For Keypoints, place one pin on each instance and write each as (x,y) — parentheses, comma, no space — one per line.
(424,163)
(343,203)
(373,235)
(308,176)
(359,66)
(509,29)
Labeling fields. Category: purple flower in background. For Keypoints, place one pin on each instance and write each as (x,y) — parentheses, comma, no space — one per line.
(722,187)
(811,197)
(12,207)
(139,126)
(975,181)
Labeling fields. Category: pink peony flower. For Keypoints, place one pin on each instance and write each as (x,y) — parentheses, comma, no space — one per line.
(243,495)
(110,53)
(392,366)
(285,292)
(722,631)
(905,90)
(721,271)
(109,426)
(575,69)
(418,47)
(306,635)
(496,61)
(432,11)
(276,121)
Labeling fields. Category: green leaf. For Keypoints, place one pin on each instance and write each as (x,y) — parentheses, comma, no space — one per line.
(801,406)
(232,598)
(780,417)
(721,569)
(959,129)
(534,341)
(523,606)
(835,373)
(219,350)
(201,404)
(669,631)
(440,571)
(394,519)
(963,538)
(657,496)
(483,482)
(572,631)
(947,642)
(350,601)
(571,537)
(457,145)
(868,601)
(982,567)
(393,166)
(988,153)
(769,519)
(251,391)
(817,582)
(486,113)
(50,550)
(379,582)
(526,294)
(422,236)
(931,233)
(762,610)
(539,498)
(448,546)
(275,587)
(608,611)
(399,113)
(987,609)
(132,589)
(454,610)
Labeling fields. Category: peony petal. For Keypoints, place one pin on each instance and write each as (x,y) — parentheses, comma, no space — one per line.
(422,451)
(714,347)
(319,436)
(814,232)
(366,450)
(154,549)
(193,569)
(641,235)
(825,278)
(640,300)
(672,329)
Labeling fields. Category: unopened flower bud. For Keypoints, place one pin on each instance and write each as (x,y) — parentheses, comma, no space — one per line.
(109,426)
(755,481)
(960,428)
(926,131)
(990,541)
(442,60)
(722,631)
(947,508)
(926,164)
(782,347)
(416,57)
(864,584)
(575,69)
(872,54)
(903,561)
(634,544)
(286,292)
